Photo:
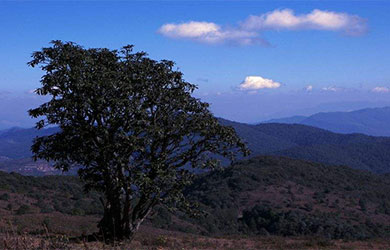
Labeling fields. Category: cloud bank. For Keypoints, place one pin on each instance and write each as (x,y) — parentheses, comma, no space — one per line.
(258,82)
(316,20)
(211,33)
(249,31)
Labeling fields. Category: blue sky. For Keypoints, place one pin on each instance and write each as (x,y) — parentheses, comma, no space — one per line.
(342,51)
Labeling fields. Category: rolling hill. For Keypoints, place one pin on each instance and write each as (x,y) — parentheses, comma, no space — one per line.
(277,195)
(15,143)
(358,151)
(264,195)
(318,145)
(370,121)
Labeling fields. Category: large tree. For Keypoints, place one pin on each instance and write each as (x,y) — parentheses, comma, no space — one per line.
(132,127)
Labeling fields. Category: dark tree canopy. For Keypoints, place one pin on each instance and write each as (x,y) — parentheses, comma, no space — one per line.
(133,126)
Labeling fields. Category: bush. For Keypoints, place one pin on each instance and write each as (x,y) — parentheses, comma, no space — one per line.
(23,209)
(4,197)
(78,211)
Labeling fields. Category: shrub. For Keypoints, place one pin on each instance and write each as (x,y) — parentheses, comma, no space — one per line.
(4,197)
(23,209)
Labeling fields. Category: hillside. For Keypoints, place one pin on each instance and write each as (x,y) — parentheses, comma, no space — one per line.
(276,195)
(358,151)
(370,121)
(313,144)
(15,143)
(260,196)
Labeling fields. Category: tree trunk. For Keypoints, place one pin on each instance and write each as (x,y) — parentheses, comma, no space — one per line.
(111,225)
(134,225)
(119,220)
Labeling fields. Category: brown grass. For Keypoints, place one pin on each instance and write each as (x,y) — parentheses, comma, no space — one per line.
(58,231)
(151,238)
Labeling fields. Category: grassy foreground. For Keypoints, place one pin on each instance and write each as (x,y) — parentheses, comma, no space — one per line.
(151,238)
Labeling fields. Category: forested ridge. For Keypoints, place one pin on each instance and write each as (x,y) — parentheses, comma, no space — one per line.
(358,151)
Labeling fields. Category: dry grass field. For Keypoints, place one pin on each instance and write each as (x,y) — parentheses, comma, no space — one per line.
(151,238)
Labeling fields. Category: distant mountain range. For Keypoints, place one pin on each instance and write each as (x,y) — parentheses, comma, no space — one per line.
(15,154)
(370,121)
(297,141)
(15,142)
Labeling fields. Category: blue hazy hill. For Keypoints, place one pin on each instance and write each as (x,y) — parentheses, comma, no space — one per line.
(297,141)
(370,121)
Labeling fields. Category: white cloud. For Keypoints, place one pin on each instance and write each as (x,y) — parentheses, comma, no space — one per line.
(207,32)
(331,88)
(309,88)
(249,31)
(258,82)
(381,90)
(191,29)
(315,20)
